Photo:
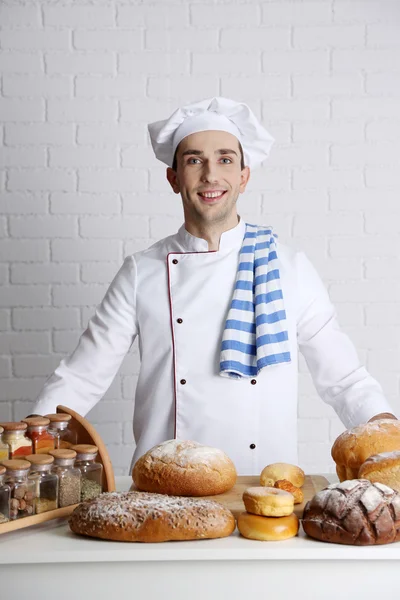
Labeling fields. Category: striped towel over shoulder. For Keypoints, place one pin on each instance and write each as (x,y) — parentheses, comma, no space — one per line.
(255,333)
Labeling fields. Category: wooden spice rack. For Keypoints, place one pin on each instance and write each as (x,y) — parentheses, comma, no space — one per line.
(86,434)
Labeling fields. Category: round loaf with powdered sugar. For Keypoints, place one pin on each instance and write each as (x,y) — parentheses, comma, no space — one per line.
(355,512)
(142,517)
(184,468)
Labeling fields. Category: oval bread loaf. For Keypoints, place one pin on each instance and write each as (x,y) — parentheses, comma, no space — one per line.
(184,468)
(142,517)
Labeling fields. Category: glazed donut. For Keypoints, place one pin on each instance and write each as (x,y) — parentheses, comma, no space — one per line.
(267,529)
(284,484)
(268,501)
(272,473)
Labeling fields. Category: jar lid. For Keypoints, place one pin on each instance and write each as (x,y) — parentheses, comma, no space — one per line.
(15,464)
(14,426)
(59,417)
(63,453)
(2,470)
(36,421)
(85,449)
(40,459)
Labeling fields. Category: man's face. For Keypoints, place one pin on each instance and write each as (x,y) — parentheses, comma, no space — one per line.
(209,176)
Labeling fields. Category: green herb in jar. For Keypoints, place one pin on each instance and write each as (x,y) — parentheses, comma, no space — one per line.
(90,489)
(69,489)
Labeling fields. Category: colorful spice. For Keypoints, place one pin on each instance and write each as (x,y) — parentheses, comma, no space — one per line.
(4,448)
(37,431)
(14,436)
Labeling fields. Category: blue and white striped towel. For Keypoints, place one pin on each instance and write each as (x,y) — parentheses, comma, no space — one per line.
(255,334)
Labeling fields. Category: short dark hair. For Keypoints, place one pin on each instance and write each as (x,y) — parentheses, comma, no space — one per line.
(242,165)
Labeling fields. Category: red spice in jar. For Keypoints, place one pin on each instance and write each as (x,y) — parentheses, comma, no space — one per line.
(37,431)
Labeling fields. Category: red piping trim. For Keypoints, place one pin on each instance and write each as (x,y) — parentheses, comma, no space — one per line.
(171,321)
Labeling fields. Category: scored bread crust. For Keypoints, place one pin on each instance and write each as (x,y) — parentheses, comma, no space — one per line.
(184,468)
(352,448)
(355,512)
(144,517)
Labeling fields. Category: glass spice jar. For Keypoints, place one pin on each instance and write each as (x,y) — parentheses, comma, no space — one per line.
(69,477)
(5,493)
(46,482)
(22,502)
(64,436)
(14,435)
(91,471)
(42,439)
(4,448)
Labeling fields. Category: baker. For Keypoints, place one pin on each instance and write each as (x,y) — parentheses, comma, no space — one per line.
(221,309)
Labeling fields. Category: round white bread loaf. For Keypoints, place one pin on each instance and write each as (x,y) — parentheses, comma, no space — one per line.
(184,468)
(142,517)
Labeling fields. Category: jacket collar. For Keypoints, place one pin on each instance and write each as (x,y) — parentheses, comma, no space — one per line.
(232,238)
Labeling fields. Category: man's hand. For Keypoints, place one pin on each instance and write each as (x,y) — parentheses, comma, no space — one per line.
(382,416)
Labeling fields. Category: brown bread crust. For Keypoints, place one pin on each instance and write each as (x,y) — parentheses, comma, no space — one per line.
(384,468)
(143,517)
(352,448)
(184,468)
(284,484)
(355,512)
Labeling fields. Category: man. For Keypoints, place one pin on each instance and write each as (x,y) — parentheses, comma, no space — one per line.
(220,309)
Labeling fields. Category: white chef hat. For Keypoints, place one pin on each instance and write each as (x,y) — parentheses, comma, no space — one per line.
(221,114)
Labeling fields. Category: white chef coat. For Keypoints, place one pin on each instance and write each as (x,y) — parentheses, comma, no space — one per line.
(176,295)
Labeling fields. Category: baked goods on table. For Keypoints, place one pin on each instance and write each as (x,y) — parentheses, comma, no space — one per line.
(284,484)
(144,517)
(277,471)
(267,529)
(184,468)
(383,468)
(268,501)
(352,448)
(269,515)
(355,512)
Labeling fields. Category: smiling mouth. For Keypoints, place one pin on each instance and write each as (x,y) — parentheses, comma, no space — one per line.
(210,197)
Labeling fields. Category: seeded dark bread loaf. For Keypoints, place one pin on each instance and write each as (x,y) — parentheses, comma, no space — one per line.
(142,517)
(184,468)
(355,512)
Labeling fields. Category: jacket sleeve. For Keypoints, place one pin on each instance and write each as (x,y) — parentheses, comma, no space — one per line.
(338,376)
(81,380)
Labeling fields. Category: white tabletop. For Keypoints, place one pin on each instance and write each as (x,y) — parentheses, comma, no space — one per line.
(53,542)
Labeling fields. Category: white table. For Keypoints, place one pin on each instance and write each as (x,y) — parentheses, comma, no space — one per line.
(49,562)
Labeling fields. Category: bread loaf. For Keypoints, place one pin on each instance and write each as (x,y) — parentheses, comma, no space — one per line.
(355,512)
(142,517)
(352,448)
(184,468)
(383,468)
(278,471)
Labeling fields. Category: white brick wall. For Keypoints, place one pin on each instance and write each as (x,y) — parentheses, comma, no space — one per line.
(80,189)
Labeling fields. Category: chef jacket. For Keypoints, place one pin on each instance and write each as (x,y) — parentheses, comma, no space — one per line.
(175,296)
